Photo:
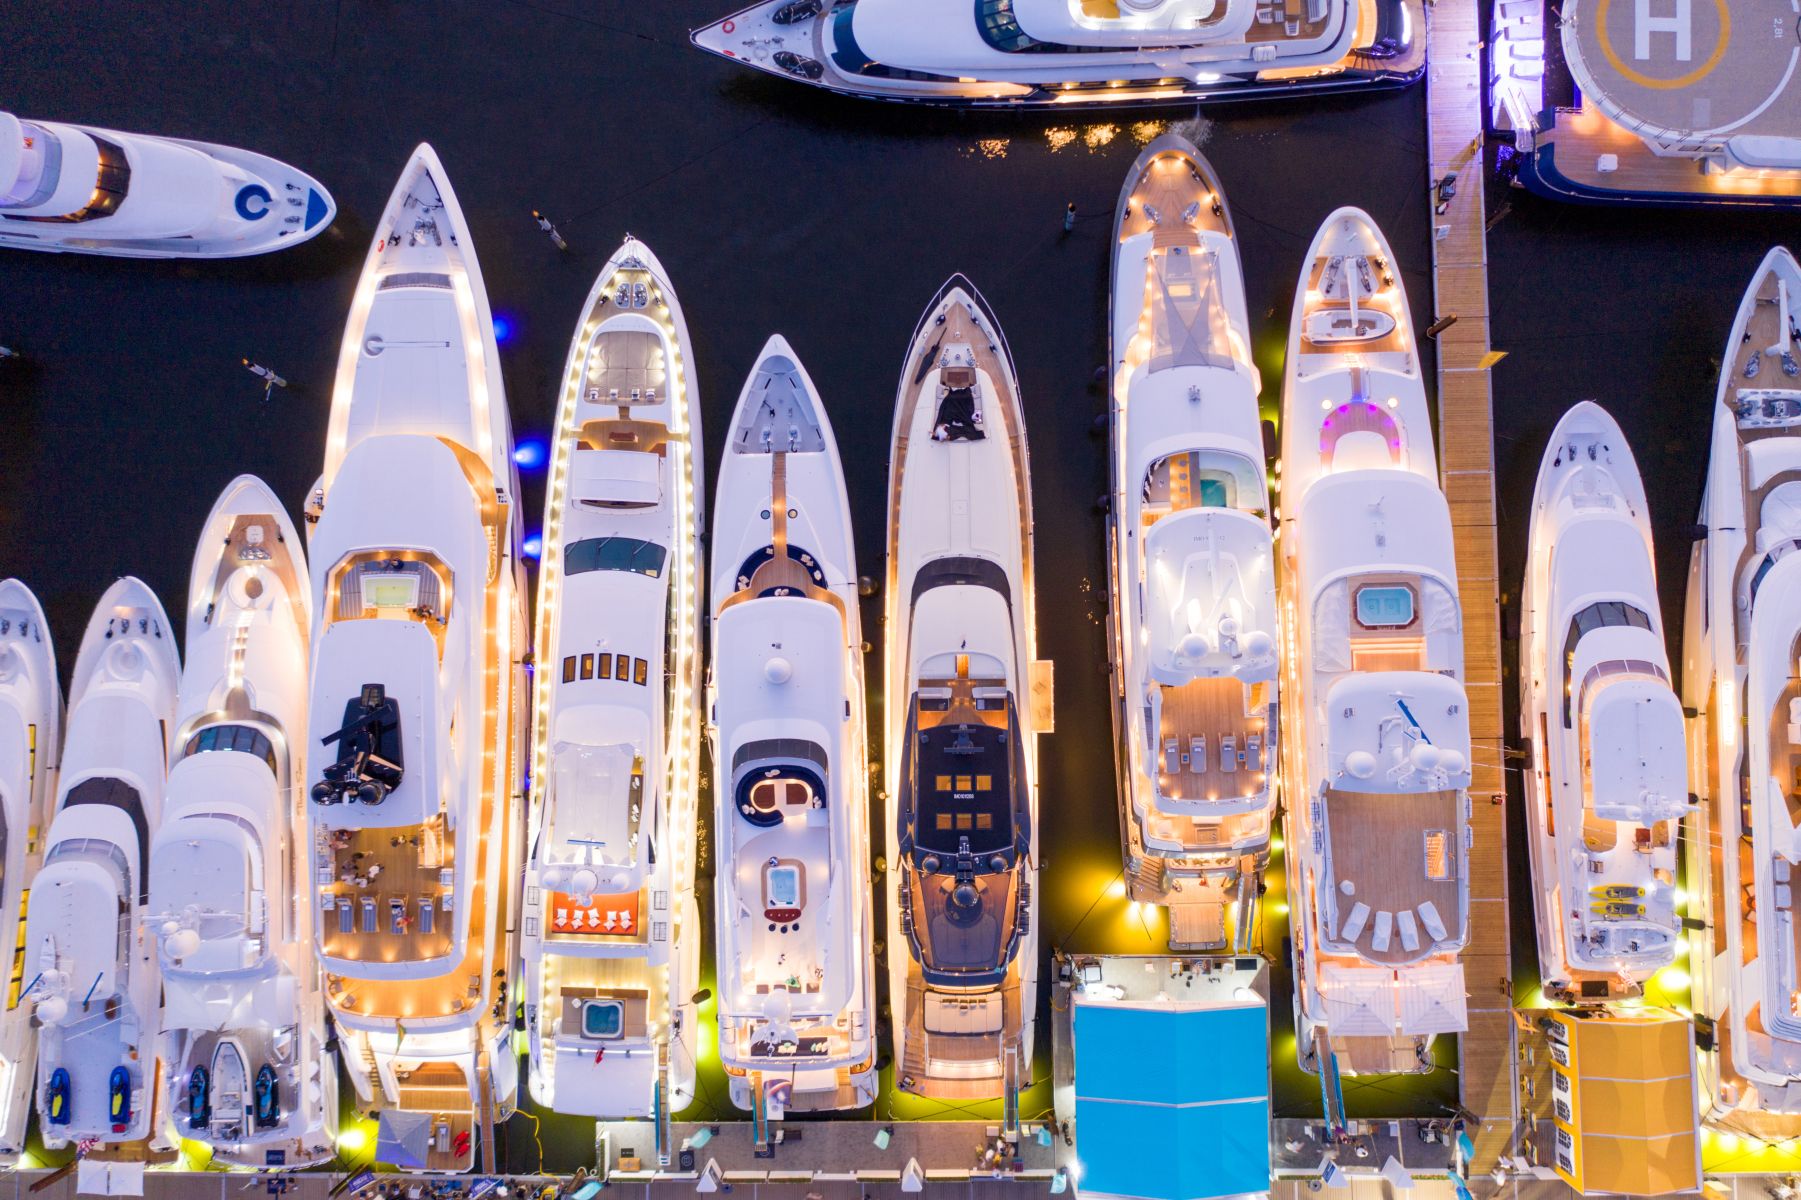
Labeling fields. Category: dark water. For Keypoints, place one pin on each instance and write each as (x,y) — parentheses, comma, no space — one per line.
(775,209)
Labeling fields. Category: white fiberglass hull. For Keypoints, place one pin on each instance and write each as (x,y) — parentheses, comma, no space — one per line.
(620,576)
(31,724)
(1599,717)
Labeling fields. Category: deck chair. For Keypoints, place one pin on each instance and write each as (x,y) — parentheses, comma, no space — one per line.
(1385,924)
(1355,922)
(1432,921)
(1410,932)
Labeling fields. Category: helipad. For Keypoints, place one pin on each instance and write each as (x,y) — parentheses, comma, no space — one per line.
(1690,69)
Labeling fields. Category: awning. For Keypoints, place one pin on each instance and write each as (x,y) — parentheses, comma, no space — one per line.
(1623,1089)
(1207,1096)
(403,1139)
(618,1087)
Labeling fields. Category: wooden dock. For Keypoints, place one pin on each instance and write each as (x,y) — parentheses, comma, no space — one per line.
(1454,102)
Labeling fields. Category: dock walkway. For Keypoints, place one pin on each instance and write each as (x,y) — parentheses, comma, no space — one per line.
(1454,100)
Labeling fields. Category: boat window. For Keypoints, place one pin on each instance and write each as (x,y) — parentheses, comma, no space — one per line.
(615,554)
(1600,615)
(962,789)
(112,180)
(1385,606)
(40,169)
(242,738)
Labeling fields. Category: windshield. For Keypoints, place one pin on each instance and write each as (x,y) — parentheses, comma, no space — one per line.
(615,554)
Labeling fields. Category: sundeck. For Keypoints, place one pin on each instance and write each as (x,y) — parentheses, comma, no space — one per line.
(244,1065)
(1607,778)
(1377,750)
(31,728)
(90,977)
(1193,594)
(790,759)
(1013,53)
(1742,677)
(611,929)
(965,702)
(417,710)
(88,190)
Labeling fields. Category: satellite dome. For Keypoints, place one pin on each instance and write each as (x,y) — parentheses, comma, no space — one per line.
(126,661)
(1194,646)
(52,1009)
(585,881)
(1452,761)
(1361,764)
(1228,626)
(1259,644)
(1426,757)
(184,943)
(778,670)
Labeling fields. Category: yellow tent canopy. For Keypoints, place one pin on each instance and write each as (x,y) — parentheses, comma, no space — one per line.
(1624,1090)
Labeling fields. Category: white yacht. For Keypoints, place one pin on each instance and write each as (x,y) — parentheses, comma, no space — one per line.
(1190,555)
(1377,750)
(1608,773)
(415,824)
(87,190)
(90,968)
(243,1034)
(965,702)
(611,940)
(790,759)
(31,726)
(1742,644)
(1013,53)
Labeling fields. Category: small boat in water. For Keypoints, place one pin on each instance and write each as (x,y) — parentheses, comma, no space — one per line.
(92,981)
(1191,558)
(1607,779)
(965,702)
(790,759)
(611,942)
(239,983)
(1377,755)
(88,190)
(31,724)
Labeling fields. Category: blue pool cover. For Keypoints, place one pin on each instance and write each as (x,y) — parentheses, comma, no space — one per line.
(1172,1104)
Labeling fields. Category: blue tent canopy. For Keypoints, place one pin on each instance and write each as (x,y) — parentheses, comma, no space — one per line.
(1172,1103)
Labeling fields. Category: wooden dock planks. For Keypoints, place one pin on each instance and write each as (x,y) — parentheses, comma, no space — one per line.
(1466,438)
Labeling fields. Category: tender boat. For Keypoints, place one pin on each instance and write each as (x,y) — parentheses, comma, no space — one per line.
(415,828)
(1607,779)
(91,978)
(1192,567)
(965,703)
(612,931)
(88,190)
(1742,646)
(1018,53)
(790,758)
(240,991)
(1377,750)
(31,725)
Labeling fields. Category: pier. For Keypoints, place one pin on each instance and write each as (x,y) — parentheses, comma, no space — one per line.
(1454,105)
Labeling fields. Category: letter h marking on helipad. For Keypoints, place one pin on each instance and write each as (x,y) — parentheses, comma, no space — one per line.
(1677,23)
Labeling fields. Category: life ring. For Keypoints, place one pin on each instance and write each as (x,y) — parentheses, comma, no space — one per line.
(730,26)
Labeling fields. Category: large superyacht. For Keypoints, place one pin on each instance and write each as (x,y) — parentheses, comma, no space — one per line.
(87,190)
(1377,752)
(1741,646)
(415,823)
(965,702)
(1606,778)
(90,973)
(244,1065)
(31,727)
(611,931)
(1190,556)
(1020,53)
(792,902)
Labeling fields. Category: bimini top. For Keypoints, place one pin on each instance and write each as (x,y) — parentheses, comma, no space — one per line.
(1704,70)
